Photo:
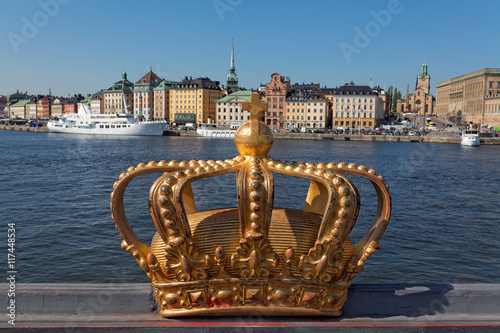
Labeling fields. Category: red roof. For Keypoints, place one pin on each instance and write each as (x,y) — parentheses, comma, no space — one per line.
(150,77)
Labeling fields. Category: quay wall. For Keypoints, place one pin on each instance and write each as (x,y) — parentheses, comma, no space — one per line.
(445,137)
(434,138)
(130,307)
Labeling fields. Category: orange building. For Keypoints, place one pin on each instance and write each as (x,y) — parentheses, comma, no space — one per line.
(275,95)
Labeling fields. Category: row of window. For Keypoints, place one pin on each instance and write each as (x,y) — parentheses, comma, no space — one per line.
(343,114)
(364,123)
(302,118)
(348,107)
(492,82)
(235,117)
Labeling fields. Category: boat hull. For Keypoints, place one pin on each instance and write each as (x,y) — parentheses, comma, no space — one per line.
(145,128)
(216,133)
(470,141)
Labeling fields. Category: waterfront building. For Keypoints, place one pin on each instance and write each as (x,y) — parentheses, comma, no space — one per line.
(228,108)
(471,96)
(232,78)
(70,105)
(492,110)
(193,100)
(307,106)
(421,101)
(57,107)
(355,106)
(162,99)
(97,102)
(46,104)
(39,108)
(143,95)
(119,98)
(276,93)
(18,109)
(31,110)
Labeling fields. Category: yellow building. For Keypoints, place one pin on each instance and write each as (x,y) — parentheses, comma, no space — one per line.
(193,101)
(307,106)
(355,106)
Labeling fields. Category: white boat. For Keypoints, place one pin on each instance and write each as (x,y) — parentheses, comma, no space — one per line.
(212,131)
(470,138)
(85,122)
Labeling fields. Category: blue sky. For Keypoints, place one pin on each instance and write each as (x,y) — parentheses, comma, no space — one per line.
(76,46)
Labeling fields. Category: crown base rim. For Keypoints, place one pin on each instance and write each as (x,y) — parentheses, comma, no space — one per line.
(234,297)
(269,311)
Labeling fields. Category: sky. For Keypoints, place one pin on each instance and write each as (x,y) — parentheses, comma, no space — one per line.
(83,46)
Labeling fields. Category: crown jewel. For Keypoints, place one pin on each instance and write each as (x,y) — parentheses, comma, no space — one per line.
(255,257)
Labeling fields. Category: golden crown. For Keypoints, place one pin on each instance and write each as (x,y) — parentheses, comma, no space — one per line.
(255,257)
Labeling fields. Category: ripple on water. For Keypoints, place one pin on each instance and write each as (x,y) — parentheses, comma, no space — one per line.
(444,224)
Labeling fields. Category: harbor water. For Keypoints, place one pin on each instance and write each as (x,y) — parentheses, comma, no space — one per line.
(56,188)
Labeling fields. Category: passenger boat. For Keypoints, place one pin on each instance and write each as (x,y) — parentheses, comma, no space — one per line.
(85,122)
(212,131)
(470,137)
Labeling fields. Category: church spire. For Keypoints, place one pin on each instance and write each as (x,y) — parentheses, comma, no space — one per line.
(232,78)
(424,68)
(232,57)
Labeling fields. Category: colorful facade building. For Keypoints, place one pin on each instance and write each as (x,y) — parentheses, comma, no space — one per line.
(228,108)
(119,98)
(57,107)
(307,107)
(18,109)
(471,96)
(421,101)
(70,105)
(162,99)
(46,102)
(355,106)
(193,101)
(31,110)
(276,93)
(144,97)
(97,102)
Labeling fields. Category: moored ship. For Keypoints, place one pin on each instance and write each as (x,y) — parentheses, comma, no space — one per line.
(470,138)
(212,131)
(85,122)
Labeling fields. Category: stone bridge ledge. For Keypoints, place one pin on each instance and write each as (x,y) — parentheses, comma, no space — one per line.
(130,307)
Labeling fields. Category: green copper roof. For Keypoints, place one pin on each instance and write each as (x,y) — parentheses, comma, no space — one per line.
(166,85)
(22,102)
(243,94)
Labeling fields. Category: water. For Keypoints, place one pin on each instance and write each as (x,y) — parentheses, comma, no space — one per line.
(55,188)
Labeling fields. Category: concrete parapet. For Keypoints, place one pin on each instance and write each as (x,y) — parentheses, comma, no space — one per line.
(370,308)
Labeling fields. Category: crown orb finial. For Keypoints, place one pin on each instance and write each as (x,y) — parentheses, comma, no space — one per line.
(254,138)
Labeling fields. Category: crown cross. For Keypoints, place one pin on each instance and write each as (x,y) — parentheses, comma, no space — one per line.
(254,106)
